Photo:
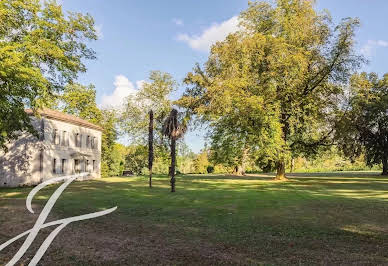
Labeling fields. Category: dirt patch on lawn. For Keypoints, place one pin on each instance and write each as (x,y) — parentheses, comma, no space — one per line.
(117,239)
(109,241)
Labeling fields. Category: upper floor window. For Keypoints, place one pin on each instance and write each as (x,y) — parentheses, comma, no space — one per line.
(88,142)
(63,166)
(65,139)
(94,143)
(78,140)
(56,137)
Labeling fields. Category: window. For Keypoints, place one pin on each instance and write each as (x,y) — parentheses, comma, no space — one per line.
(63,166)
(54,166)
(56,137)
(88,142)
(77,166)
(65,140)
(41,161)
(76,135)
(94,143)
(94,166)
(87,166)
(78,140)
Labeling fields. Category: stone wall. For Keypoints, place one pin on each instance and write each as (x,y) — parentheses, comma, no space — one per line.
(30,160)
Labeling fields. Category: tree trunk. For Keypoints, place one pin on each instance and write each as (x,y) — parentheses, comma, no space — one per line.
(385,165)
(281,170)
(292,165)
(239,170)
(172,168)
(281,164)
(244,161)
(151,145)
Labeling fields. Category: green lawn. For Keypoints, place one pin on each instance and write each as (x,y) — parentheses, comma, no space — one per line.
(325,218)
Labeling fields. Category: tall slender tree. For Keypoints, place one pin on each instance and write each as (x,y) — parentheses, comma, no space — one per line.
(174,130)
(151,145)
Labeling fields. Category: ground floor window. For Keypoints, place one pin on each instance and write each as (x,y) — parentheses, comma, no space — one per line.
(63,166)
(41,161)
(77,166)
(94,166)
(54,166)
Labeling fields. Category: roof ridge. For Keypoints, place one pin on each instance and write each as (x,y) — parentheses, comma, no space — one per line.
(61,116)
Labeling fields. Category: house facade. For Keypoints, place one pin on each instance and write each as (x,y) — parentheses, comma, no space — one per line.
(66,145)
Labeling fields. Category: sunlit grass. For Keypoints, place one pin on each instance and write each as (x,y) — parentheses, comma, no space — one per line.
(254,212)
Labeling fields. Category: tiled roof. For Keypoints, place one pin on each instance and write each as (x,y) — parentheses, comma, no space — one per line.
(56,115)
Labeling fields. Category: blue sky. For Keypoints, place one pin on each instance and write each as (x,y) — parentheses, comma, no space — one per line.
(137,36)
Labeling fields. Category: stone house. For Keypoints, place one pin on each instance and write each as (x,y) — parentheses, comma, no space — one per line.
(66,145)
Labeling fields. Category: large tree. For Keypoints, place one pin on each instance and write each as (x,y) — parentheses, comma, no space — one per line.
(278,76)
(362,124)
(41,50)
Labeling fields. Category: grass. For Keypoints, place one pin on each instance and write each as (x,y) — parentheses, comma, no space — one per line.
(322,218)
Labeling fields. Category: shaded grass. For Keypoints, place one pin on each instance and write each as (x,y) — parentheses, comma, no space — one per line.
(334,218)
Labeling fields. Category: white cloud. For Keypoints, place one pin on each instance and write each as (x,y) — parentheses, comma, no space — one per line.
(123,89)
(214,33)
(177,21)
(99,33)
(370,47)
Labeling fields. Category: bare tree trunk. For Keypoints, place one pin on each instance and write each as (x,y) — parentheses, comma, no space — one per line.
(281,170)
(385,164)
(172,168)
(151,146)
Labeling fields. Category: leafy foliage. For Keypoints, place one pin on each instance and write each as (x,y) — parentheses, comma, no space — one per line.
(277,79)
(109,136)
(362,126)
(80,101)
(136,158)
(41,50)
(201,162)
(118,159)
(153,95)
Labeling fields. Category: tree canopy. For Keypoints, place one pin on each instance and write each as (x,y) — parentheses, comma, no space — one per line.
(41,50)
(153,95)
(277,78)
(362,124)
